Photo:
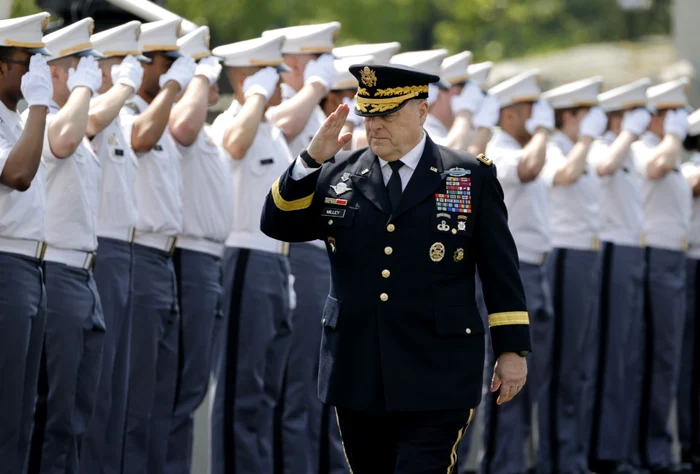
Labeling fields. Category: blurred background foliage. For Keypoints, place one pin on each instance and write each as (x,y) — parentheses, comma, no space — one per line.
(496,29)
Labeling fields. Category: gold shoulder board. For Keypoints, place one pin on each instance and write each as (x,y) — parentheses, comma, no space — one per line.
(481,157)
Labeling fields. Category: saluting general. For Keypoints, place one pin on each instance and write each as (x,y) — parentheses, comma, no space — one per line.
(405,223)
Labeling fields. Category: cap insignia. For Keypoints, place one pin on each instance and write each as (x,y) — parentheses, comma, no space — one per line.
(91,27)
(369,78)
(45,23)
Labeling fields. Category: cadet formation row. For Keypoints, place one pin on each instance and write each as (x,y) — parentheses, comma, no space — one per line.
(132,265)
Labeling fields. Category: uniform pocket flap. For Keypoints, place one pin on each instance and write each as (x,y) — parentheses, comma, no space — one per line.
(458,321)
(330,312)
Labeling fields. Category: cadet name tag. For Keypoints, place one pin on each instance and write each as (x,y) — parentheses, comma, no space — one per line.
(330,212)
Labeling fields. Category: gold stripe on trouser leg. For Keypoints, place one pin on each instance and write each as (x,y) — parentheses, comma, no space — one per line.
(342,443)
(460,433)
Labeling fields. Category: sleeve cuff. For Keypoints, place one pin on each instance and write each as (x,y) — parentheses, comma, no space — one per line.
(300,171)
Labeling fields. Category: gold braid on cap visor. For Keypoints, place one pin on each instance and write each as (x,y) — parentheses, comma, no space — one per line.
(372,105)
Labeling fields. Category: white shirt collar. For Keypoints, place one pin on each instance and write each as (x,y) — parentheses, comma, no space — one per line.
(411,158)
(504,139)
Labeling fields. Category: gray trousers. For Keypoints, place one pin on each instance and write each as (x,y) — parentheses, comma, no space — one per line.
(102,446)
(507,427)
(252,356)
(72,361)
(200,293)
(153,362)
(22,319)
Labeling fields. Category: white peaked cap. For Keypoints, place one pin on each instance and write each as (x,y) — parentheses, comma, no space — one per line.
(629,96)
(455,68)
(669,95)
(161,36)
(382,52)
(196,43)
(344,79)
(122,40)
(307,39)
(479,73)
(25,32)
(694,123)
(74,39)
(260,52)
(429,61)
(522,88)
(582,93)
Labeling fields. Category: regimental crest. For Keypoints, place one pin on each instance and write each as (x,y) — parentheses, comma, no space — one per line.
(369,78)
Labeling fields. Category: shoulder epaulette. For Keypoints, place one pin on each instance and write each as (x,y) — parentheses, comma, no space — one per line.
(481,157)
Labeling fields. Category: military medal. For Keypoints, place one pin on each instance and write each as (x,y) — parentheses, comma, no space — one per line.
(340,188)
(459,255)
(443,227)
(437,252)
(337,202)
(462,225)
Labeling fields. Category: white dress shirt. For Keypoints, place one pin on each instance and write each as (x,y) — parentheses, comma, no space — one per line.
(574,208)
(688,168)
(117,215)
(266,160)
(621,212)
(667,201)
(158,181)
(437,131)
(22,214)
(527,203)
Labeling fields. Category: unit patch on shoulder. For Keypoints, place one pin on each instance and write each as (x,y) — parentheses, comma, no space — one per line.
(481,157)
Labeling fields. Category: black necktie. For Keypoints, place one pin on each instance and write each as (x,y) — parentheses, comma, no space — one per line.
(394,185)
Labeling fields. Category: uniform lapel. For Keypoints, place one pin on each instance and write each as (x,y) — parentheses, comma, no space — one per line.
(368,180)
(425,180)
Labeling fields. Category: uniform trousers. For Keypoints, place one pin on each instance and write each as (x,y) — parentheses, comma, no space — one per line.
(574,276)
(420,442)
(507,427)
(310,441)
(615,407)
(251,361)
(689,382)
(70,372)
(153,362)
(200,292)
(664,317)
(103,443)
(22,319)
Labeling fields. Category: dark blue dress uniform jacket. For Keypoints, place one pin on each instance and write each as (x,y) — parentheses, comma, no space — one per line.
(401,330)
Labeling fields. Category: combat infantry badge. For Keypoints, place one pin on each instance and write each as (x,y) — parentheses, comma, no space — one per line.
(437,251)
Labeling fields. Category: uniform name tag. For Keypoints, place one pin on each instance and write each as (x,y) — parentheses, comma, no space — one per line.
(118,152)
(267,161)
(329,212)
(158,147)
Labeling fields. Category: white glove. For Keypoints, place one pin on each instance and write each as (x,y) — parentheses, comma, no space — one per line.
(321,70)
(353,118)
(209,67)
(636,121)
(433,93)
(676,123)
(262,82)
(542,116)
(36,87)
(594,123)
(129,73)
(488,114)
(182,72)
(87,74)
(469,99)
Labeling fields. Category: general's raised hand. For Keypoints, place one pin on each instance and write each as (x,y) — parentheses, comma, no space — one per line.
(328,141)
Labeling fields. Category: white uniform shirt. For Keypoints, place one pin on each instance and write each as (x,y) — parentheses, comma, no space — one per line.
(574,208)
(207,194)
(693,166)
(621,213)
(526,202)
(22,214)
(117,216)
(72,194)
(436,130)
(666,201)
(265,161)
(158,181)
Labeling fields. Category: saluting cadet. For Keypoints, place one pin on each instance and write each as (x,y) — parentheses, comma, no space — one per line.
(689,390)
(207,200)
(667,206)
(614,409)
(573,270)
(256,267)
(155,311)
(75,324)
(391,343)
(486,117)
(116,220)
(519,152)
(24,74)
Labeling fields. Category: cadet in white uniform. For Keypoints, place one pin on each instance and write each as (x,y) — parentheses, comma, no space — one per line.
(519,152)
(256,277)
(614,409)
(155,312)
(75,325)
(486,117)
(573,270)
(23,74)
(102,445)
(689,388)
(207,200)
(667,208)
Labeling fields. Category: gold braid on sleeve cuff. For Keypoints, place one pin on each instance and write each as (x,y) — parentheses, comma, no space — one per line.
(284,205)
(508,318)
